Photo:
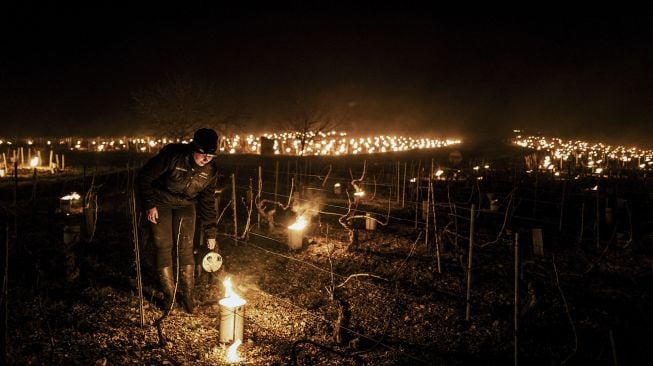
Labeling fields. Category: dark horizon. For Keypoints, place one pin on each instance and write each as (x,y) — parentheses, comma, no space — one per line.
(411,71)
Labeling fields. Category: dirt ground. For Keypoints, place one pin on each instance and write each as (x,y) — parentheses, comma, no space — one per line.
(386,303)
(390,298)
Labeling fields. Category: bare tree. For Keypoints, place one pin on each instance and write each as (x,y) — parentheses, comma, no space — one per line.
(179,105)
(310,114)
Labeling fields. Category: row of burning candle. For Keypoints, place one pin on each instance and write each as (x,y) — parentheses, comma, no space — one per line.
(18,160)
(332,143)
(593,155)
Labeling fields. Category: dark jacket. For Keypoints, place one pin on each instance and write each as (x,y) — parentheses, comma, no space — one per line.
(173,179)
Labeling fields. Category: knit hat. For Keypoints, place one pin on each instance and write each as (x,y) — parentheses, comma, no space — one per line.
(205,141)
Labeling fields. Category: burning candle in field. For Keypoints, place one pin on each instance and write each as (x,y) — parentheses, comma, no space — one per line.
(232,314)
(296,233)
(337,188)
(34,162)
(300,224)
(70,203)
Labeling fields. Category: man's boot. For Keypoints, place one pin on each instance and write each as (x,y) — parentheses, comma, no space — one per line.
(167,286)
(188,283)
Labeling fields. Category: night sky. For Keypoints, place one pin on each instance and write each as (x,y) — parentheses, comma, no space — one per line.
(584,73)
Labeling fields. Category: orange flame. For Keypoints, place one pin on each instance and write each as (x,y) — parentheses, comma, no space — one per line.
(231,299)
(300,224)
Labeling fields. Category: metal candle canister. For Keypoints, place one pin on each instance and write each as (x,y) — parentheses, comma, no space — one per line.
(370,223)
(295,238)
(337,189)
(425,210)
(296,233)
(232,319)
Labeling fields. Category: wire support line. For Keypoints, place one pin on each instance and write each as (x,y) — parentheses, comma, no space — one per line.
(323,319)
(443,206)
(308,263)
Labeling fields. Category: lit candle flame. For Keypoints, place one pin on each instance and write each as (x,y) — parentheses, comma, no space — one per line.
(232,352)
(300,224)
(71,197)
(231,299)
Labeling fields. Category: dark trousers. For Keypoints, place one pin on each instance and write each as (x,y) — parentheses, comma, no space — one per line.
(168,232)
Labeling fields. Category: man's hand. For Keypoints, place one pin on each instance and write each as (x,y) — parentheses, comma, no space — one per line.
(211,243)
(152,215)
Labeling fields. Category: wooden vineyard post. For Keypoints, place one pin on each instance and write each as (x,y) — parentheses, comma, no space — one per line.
(5,293)
(598,219)
(234,204)
(260,188)
(538,242)
(15,185)
(419,168)
(582,222)
(276,180)
(298,177)
(562,204)
(398,178)
(535,195)
(455,223)
(516,300)
(403,190)
(613,347)
(427,208)
(435,228)
(469,264)
(288,176)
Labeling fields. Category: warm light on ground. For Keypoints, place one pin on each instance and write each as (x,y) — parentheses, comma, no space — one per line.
(232,352)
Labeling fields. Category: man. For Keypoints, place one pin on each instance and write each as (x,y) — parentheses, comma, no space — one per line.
(172,184)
